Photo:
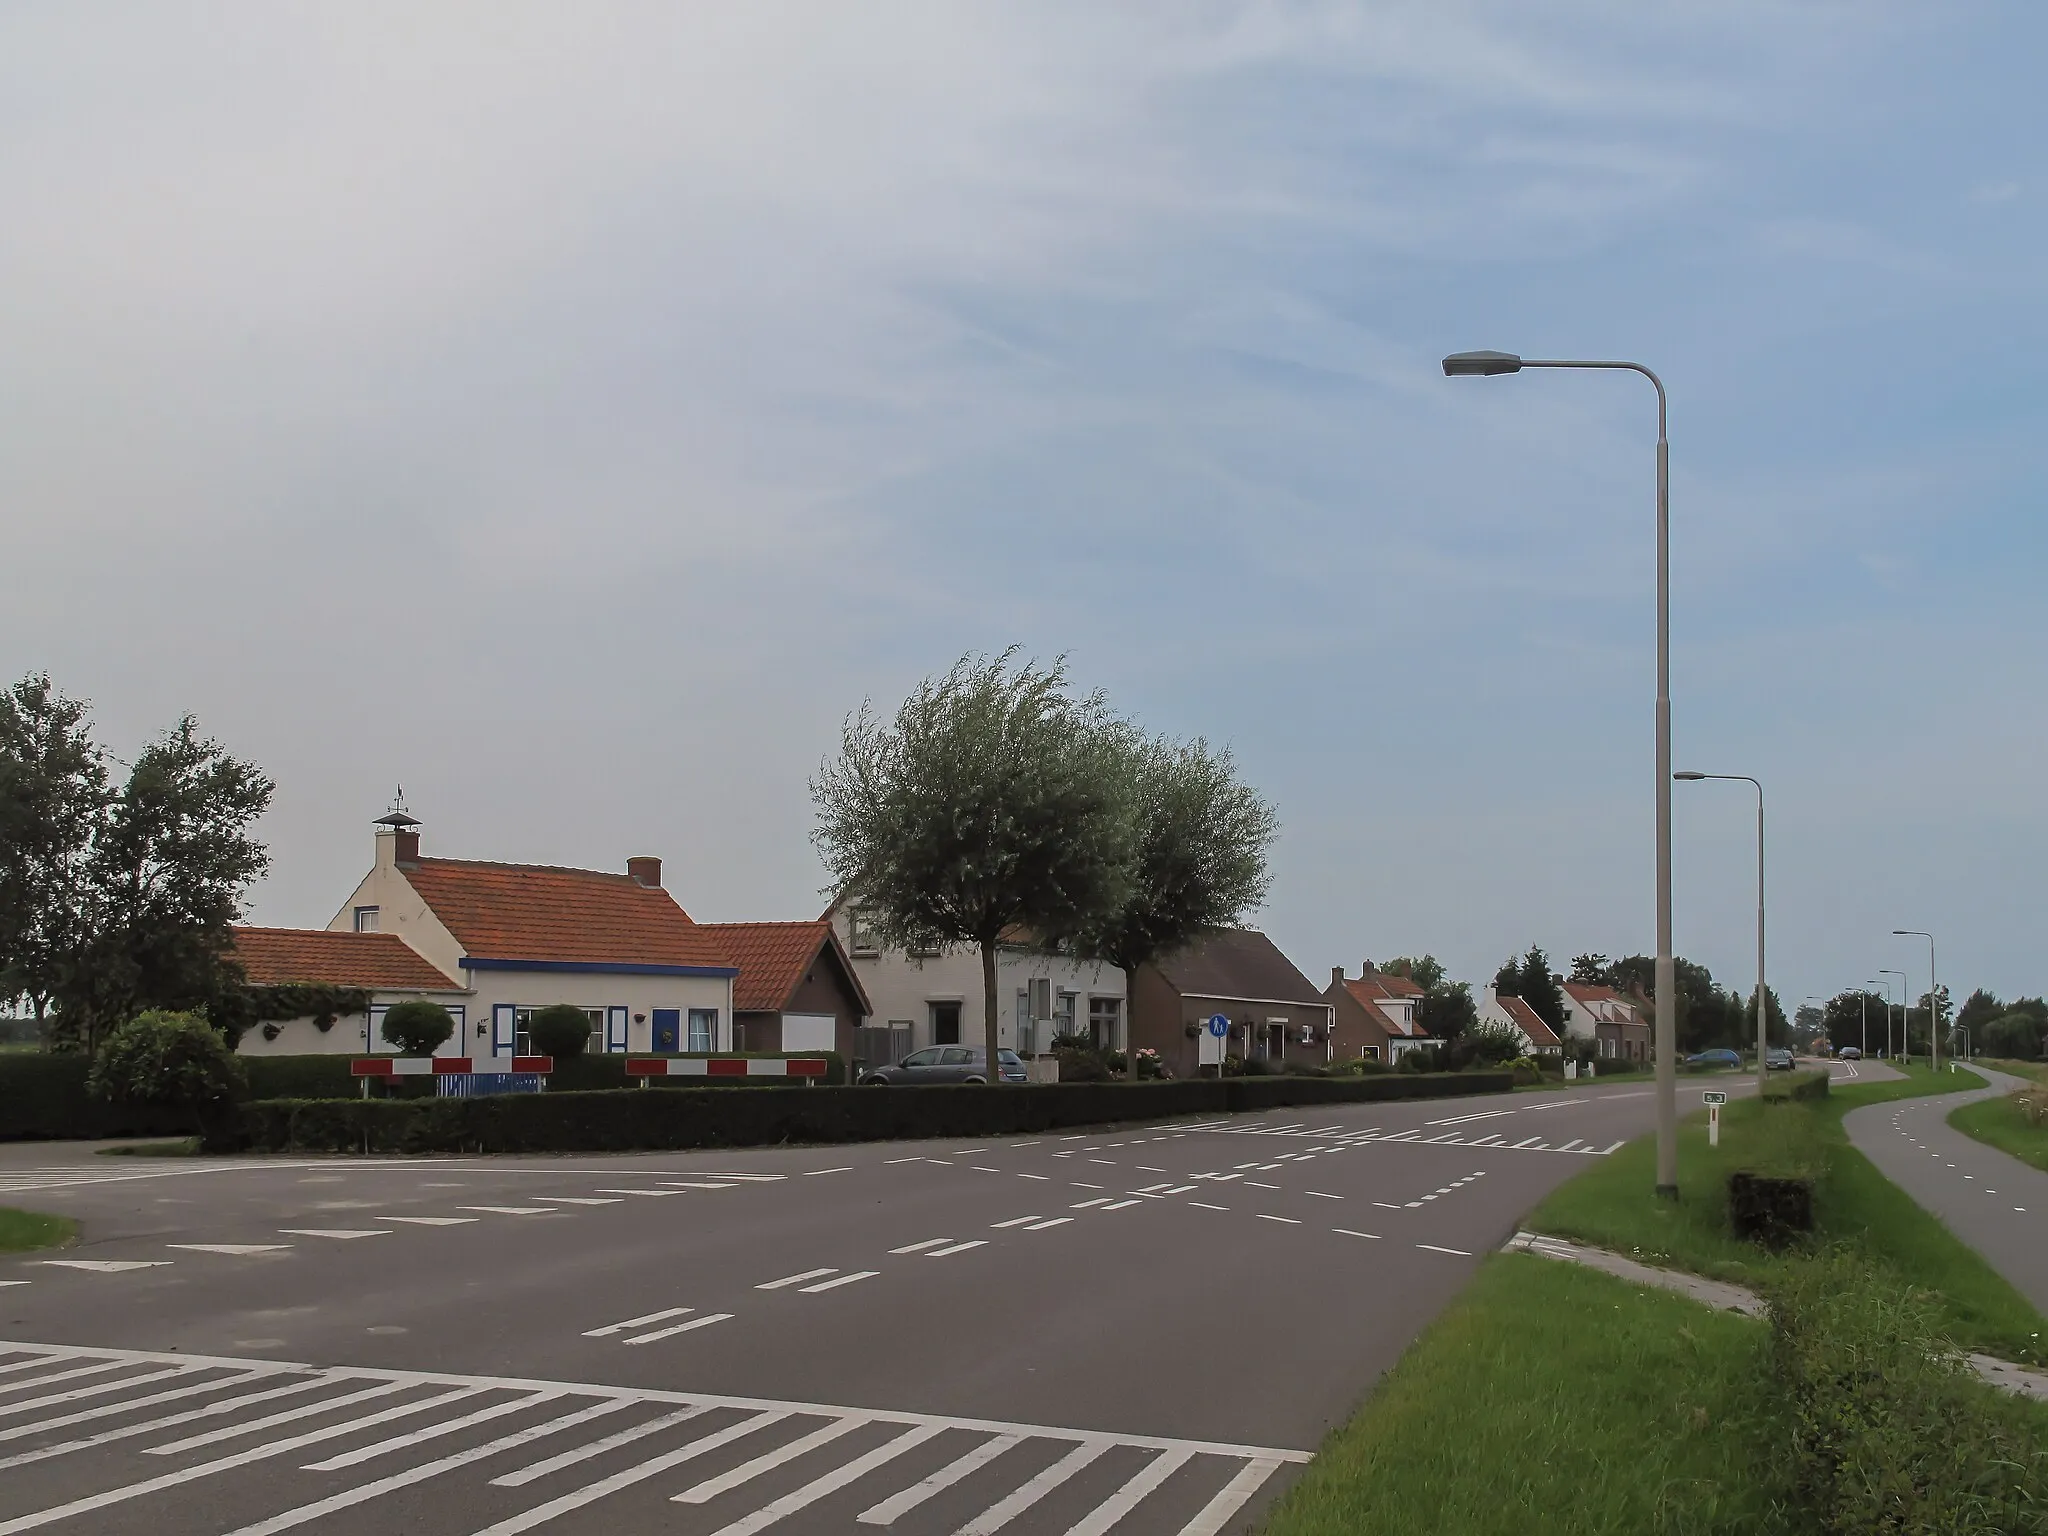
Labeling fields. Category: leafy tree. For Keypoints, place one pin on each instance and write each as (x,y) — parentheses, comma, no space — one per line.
(1197,859)
(995,803)
(1706,1016)
(561,1030)
(1842,1018)
(419,1028)
(1507,981)
(1590,970)
(1426,972)
(53,797)
(1447,1012)
(2022,1036)
(1535,985)
(1776,1030)
(1979,1009)
(1492,1042)
(162,1057)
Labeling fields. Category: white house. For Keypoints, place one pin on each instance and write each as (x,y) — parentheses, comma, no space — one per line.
(934,997)
(1604,1016)
(1538,1038)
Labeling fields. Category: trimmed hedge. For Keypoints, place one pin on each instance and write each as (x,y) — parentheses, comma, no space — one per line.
(640,1120)
(43,1098)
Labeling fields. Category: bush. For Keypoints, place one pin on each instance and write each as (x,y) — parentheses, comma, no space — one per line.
(560,1030)
(172,1059)
(419,1028)
(1888,1429)
(1769,1210)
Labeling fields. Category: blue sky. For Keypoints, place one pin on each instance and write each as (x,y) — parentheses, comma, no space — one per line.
(575,415)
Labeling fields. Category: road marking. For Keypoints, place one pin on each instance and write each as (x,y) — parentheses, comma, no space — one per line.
(1178,1189)
(1079,1185)
(1530,1142)
(1016,1144)
(809,1274)
(1043,1178)
(693,1324)
(852,1279)
(899,1504)
(1122,1205)
(892,1160)
(1143,1169)
(1202,1205)
(1610,1151)
(1214,1515)
(977,1168)
(1484,1114)
(508,1210)
(1082,1205)
(1255,1184)
(430,1432)
(127,1431)
(651,1193)
(431,1221)
(1574,1142)
(577,1200)
(234,1249)
(830,1482)
(569,1458)
(29,1403)
(1432,1247)
(1347,1232)
(1014,1221)
(269,1421)
(952,1248)
(1150,1188)
(671,1185)
(820,1172)
(1003,1511)
(637,1322)
(930,1242)
(117,1266)
(1320,1195)
(1133,1493)
(1290,1220)
(767,1461)
(1056,1221)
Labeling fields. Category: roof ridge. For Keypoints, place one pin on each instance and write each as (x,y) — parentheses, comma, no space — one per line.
(546,869)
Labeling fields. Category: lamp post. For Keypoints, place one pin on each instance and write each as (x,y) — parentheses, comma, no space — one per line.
(1487,365)
(1867,985)
(1904,1052)
(1933,996)
(1762,996)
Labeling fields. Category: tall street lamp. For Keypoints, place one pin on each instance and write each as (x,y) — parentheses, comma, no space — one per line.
(1762,997)
(1905,1053)
(1867,985)
(1933,996)
(1486,365)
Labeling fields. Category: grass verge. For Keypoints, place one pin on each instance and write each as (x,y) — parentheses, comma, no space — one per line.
(1553,1399)
(183,1146)
(1614,1206)
(2003,1123)
(21,1231)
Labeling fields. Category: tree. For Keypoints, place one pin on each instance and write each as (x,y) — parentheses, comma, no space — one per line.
(1590,970)
(419,1028)
(1776,1030)
(2021,1035)
(1427,972)
(1842,1018)
(1198,858)
(994,804)
(53,797)
(561,1030)
(1507,981)
(1447,1013)
(1979,1009)
(1533,983)
(1706,1015)
(162,887)
(161,1057)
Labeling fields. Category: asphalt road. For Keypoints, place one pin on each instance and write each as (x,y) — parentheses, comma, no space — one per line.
(1139,1329)
(1991,1200)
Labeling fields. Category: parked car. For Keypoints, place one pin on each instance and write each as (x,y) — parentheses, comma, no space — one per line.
(949,1064)
(1849,1053)
(1719,1056)
(1778,1059)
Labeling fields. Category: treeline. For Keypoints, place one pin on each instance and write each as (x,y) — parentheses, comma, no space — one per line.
(118,893)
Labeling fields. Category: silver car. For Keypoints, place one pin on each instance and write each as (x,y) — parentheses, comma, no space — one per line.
(949,1064)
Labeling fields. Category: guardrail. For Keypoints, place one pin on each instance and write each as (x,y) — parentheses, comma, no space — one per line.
(646,1068)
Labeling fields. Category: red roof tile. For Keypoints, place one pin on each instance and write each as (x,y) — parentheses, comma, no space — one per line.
(273,957)
(1529,1021)
(773,959)
(1365,992)
(1588,994)
(570,916)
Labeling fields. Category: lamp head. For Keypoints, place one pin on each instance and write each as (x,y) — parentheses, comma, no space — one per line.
(1688,775)
(1480,364)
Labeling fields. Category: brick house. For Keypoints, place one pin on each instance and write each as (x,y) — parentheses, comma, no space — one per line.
(796,990)
(1275,1011)
(1615,1023)
(1373,1015)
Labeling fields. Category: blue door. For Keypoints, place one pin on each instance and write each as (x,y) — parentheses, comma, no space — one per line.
(667,1029)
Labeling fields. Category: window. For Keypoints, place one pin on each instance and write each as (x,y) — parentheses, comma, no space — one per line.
(956,1056)
(929,1057)
(1025,1041)
(703,1029)
(1103,1013)
(1370,1053)
(945,1022)
(860,934)
(1063,1009)
(522,1041)
(366,919)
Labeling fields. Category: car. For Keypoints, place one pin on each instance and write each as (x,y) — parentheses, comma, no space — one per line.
(948,1064)
(1849,1053)
(1719,1056)
(1778,1059)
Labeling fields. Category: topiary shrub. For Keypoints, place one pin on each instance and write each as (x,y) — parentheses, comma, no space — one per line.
(175,1060)
(560,1030)
(417,1028)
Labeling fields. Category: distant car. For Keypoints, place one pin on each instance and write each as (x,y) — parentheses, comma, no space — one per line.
(1778,1059)
(1849,1053)
(1719,1056)
(948,1064)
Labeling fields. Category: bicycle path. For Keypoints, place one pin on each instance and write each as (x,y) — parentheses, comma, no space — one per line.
(1989,1199)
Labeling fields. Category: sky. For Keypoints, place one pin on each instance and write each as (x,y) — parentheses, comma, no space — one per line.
(574,413)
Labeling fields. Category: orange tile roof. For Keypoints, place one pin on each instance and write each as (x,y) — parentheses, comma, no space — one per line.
(1365,992)
(773,959)
(1528,1020)
(568,916)
(1592,994)
(272,957)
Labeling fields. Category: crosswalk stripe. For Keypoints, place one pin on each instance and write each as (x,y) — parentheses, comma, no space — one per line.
(1215,1514)
(1004,1510)
(569,1458)
(636,1322)
(767,1461)
(899,1504)
(149,1426)
(830,1482)
(97,1368)
(691,1326)
(95,1390)
(1127,1498)
(430,1432)
(271,1421)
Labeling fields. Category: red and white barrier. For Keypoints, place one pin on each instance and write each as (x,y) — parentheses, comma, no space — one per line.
(726,1066)
(447,1066)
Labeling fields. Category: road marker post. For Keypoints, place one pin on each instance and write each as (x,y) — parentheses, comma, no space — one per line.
(1715,1099)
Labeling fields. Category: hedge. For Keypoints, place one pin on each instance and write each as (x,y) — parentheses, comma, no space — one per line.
(643,1120)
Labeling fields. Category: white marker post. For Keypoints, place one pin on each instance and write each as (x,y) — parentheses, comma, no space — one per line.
(1715,1099)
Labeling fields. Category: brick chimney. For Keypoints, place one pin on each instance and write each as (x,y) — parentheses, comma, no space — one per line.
(406,846)
(1336,975)
(646,869)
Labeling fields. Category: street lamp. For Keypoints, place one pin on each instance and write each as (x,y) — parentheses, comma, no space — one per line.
(1867,985)
(1905,1052)
(1762,997)
(1933,996)
(1486,365)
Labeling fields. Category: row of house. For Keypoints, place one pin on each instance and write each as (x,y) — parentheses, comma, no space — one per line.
(493,942)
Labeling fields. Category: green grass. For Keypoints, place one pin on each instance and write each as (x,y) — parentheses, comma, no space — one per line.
(1553,1399)
(21,1231)
(2002,1124)
(183,1146)
(1614,1206)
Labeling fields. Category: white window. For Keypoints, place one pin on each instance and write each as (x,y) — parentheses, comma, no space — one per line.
(366,919)
(522,1018)
(860,934)
(1103,1013)
(703,1029)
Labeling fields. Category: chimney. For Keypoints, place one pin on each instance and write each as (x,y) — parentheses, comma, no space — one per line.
(406,846)
(398,840)
(646,869)
(1336,975)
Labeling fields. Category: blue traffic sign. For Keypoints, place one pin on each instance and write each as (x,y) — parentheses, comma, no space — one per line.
(1219,1024)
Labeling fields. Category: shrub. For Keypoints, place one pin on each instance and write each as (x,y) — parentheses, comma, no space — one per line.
(419,1028)
(1888,1429)
(1769,1210)
(171,1059)
(560,1030)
